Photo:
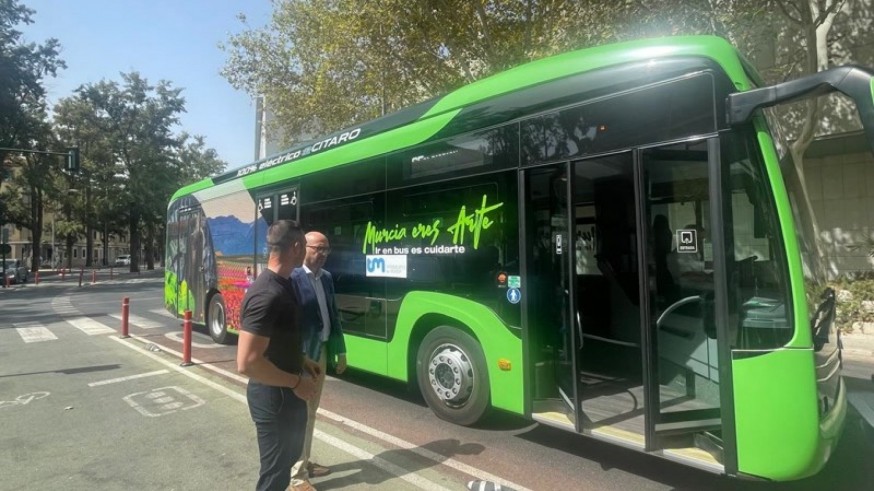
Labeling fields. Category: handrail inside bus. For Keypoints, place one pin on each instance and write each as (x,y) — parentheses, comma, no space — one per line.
(853,81)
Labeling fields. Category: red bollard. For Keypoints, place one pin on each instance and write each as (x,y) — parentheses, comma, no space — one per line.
(81,275)
(93,276)
(125,311)
(186,340)
(36,278)
(63,274)
(8,284)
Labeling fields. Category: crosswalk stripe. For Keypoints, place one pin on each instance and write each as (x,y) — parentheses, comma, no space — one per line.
(90,326)
(138,321)
(163,312)
(32,332)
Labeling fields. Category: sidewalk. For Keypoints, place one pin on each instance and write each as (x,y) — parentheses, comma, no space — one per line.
(88,276)
(858,345)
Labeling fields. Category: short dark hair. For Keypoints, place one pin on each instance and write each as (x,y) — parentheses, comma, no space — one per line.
(282,234)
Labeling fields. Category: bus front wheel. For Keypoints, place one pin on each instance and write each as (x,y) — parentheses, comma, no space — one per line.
(218,326)
(451,371)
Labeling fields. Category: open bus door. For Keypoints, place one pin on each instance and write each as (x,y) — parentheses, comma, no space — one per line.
(581,297)
(619,350)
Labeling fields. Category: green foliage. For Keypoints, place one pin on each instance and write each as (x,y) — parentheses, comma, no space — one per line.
(22,69)
(325,64)
(851,306)
(132,161)
(23,116)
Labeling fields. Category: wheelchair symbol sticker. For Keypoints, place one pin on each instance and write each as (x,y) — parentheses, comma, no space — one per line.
(514,295)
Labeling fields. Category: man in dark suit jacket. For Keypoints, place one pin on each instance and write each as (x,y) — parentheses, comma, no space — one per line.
(322,340)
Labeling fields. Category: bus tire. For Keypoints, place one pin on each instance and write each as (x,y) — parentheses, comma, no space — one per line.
(452,376)
(217,320)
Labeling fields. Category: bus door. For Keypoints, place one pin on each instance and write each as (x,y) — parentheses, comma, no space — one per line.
(583,296)
(190,243)
(680,335)
(546,290)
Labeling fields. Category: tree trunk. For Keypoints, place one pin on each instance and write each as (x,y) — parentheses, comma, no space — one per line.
(89,231)
(134,233)
(816,26)
(150,247)
(36,220)
(69,245)
(105,243)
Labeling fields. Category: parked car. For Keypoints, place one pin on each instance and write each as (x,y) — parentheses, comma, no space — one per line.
(16,271)
(122,260)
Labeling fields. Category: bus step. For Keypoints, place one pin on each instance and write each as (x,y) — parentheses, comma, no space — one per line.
(680,427)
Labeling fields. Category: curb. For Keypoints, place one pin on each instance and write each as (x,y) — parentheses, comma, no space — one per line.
(865,356)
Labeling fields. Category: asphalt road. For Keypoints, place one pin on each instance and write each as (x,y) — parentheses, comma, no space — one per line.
(100,427)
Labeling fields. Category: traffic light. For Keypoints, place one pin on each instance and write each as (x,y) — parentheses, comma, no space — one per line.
(73,159)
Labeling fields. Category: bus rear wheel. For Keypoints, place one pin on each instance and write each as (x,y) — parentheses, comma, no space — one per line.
(452,376)
(218,326)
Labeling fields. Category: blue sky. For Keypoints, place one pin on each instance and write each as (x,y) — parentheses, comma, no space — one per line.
(175,40)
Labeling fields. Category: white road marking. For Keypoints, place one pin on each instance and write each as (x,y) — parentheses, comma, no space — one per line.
(177,336)
(449,462)
(90,326)
(385,465)
(459,466)
(32,332)
(163,401)
(24,399)
(139,321)
(221,388)
(129,377)
(163,312)
(414,479)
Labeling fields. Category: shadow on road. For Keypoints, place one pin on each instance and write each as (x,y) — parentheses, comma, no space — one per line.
(398,461)
(69,371)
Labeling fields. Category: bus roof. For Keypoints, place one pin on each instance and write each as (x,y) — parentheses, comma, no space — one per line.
(417,123)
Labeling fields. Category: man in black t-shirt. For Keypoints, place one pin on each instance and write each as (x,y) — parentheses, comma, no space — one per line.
(270,352)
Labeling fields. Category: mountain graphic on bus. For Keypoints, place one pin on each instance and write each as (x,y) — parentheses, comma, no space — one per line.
(231,236)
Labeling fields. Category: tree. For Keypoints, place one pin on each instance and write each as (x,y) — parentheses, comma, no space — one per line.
(22,69)
(136,120)
(30,188)
(22,107)
(394,53)
(195,161)
(79,120)
(132,161)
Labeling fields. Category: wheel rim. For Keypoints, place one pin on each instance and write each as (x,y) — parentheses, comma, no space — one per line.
(217,319)
(451,374)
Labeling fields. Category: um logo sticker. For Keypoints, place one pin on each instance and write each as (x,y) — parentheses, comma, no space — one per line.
(388,266)
(375,264)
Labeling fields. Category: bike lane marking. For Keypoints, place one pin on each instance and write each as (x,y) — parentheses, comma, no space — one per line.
(24,399)
(386,466)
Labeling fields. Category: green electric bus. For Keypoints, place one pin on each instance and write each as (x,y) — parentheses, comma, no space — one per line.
(609,241)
